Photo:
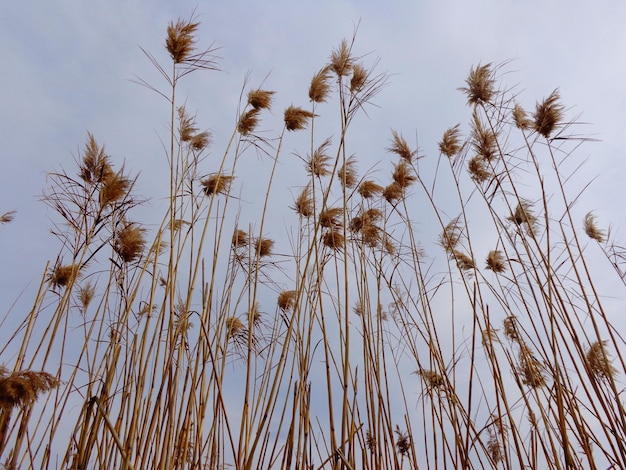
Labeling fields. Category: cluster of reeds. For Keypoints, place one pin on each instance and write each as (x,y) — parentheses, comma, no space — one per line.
(355,342)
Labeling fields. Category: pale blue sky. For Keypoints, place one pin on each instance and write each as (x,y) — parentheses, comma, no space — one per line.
(68,65)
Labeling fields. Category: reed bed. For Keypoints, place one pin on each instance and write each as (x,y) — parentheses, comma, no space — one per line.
(346,340)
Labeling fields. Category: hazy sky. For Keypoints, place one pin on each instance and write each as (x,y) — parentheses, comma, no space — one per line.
(67,66)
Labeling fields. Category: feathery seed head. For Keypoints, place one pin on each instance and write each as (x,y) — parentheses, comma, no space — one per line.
(368,189)
(495,261)
(234,327)
(548,114)
(114,188)
(7,217)
(319,162)
(331,217)
(287,300)
(484,141)
(61,276)
(297,118)
(129,242)
(403,174)
(598,362)
(85,295)
(304,203)
(95,167)
(216,184)
(186,125)
(334,239)
(340,60)
(393,192)
(450,144)
(240,238)
(359,77)
(401,148)
(264,247)
(477,167)
(23,387)
(511,330)
(320,86)
(463,261)
(180,40)
(260,99)
(248,121)
(530,369)
(403,441)
(347,173)
(521,118)
(480,85)
(200,141)
(451,235)
(591,229)
(523,215)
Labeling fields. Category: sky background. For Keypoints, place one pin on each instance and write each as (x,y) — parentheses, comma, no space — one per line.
(69,65)
(69,68)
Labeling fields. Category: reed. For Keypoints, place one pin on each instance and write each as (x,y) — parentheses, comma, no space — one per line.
(205,340)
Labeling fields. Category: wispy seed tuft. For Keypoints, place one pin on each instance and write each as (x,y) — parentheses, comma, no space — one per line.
(130,242)
(304,203)
(450,144)
(495,261)
(521,118)
(480,85)
(598,362)
(23,387)
(368,189)
(548,114)
(297,118)
(340,60)
(248,121)
(591,229)
(287,300)
(401,148)
(61,276)
(180,40)
(320,86)
(216,184)
(319,162)
(264,247)
(260,99)
(348,173)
